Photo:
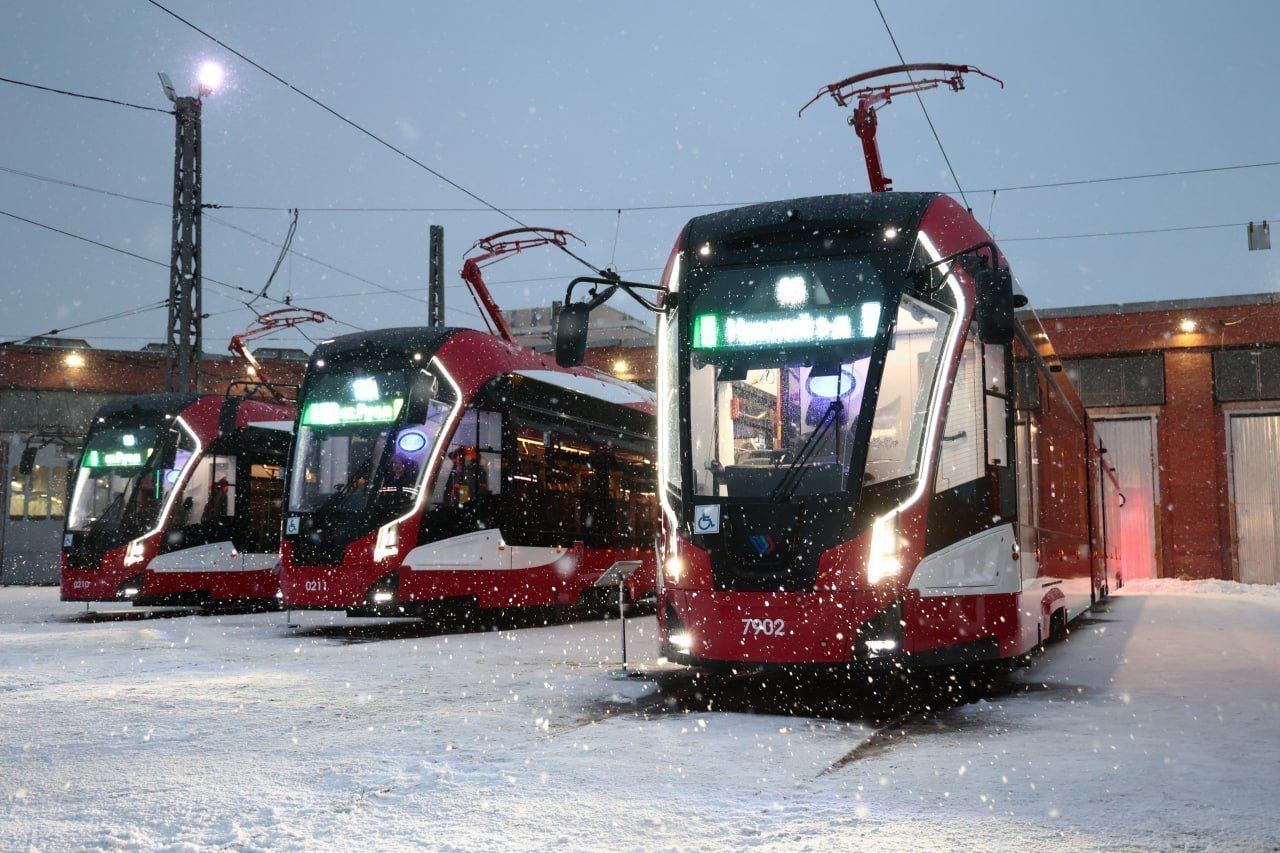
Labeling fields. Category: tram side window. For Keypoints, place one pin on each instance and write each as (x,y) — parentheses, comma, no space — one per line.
(566,486)
(961,459)
(999,402)
(465,492)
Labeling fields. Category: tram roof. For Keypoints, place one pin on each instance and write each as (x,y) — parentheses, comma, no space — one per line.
(900,209)
(380,342)
(139,405)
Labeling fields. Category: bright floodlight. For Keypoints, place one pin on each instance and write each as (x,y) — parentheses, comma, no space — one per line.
(210,77)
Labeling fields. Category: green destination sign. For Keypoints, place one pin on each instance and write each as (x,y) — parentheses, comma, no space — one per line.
(330,413)
(116,458)
(717,331)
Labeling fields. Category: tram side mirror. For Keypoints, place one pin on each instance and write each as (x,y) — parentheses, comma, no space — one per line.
(571,334)
(996,322)
(168,458)
(28,461)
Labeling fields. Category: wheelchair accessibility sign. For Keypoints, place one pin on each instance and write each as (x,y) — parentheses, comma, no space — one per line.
(706,518)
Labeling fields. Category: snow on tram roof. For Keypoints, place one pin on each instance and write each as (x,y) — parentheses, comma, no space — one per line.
(608,389)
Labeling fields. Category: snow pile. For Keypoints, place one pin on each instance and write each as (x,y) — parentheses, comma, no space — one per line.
(1175,586)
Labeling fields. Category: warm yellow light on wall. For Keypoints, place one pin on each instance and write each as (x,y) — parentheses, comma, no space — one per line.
(1187,326)
(74,359)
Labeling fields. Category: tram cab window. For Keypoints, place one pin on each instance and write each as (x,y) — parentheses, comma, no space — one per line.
(999,405)
(464,494)
(962,455)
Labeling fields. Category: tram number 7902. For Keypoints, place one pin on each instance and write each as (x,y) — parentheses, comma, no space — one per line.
(765,627)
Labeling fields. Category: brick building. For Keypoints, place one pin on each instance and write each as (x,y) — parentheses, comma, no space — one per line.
(50,388)
(1186,395)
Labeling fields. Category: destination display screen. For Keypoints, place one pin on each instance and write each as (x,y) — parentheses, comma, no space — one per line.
(359,400)
(119,448)
(773,329)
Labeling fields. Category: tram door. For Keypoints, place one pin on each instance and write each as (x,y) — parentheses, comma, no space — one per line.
(1131,516)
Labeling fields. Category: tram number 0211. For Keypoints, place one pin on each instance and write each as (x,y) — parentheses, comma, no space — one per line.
(764,627)
(316,586)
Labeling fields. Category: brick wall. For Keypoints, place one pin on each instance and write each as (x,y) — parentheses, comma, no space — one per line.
(1194,521)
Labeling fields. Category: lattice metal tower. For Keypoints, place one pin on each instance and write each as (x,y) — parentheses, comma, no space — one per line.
(184,338)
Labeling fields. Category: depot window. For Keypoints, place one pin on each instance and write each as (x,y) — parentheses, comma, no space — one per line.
(1246,374)
(1134,380)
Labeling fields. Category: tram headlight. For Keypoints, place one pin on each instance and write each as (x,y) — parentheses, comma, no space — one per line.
(682,642)
(674,568)
(883,561)
(388,542)
(137,552)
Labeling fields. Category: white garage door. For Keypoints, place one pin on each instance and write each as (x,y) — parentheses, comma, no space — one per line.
(1255,472)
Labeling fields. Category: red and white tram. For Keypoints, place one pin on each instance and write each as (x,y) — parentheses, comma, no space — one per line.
(177,501)
(865,455)
(443,465)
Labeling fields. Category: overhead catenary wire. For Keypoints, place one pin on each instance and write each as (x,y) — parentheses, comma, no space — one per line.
(152,261)
(118,315)
(84,96)
(923,108)
(370,134)
(284,253)
(208,216)
(612,209)
(1168,230)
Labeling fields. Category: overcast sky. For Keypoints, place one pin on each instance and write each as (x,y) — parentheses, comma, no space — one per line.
(607,105)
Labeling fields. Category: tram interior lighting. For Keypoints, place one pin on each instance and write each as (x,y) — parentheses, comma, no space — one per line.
(383,596)
(890,233)
(881,647)
(705,250)
(1187,326)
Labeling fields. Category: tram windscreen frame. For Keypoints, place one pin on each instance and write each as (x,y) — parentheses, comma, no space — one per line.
(783,378)
(126,474)
(366,438)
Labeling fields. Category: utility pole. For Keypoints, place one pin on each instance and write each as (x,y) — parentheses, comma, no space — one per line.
(435,283)
(184,334)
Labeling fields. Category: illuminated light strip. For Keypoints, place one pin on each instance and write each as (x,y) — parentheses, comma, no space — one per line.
(880,529)
(380,549)
(664,392)
(134,553)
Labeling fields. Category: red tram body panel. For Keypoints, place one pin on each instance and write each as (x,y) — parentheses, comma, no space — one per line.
(177,500)
(856,465)
(435,465)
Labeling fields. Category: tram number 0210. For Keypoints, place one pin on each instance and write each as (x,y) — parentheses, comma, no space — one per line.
(764,627)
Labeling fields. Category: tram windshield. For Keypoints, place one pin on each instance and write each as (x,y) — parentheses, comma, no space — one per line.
(365,441)
(781,375)
(125,478)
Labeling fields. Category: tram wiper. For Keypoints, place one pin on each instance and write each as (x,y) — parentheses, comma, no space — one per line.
(796,470)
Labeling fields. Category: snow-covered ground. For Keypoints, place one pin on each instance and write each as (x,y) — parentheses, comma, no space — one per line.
(1156,725)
